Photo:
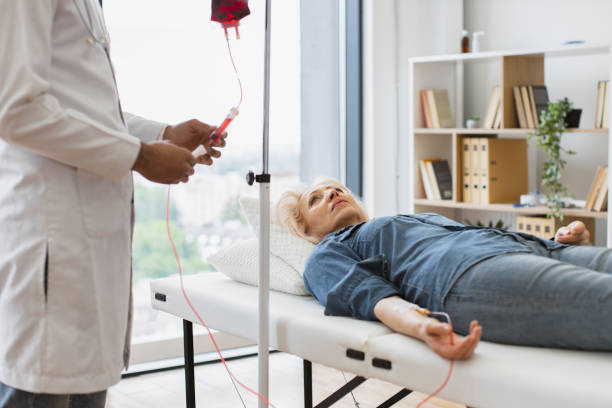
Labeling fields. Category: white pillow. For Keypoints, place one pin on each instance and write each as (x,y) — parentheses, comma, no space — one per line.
(240,262)
(283,243)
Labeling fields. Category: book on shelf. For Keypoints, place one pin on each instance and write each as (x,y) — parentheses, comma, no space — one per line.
(601,201)
(594,190)
(498,170)
(540,98)
(600,101)
(443,178)
(605,120)
(437,179)
(493,108)
(436,108)
(431,177)
(520,110)
(602,112)
(498,119)
(467,168)
(505,167)
(425,178)
(483,151)
(527,106)
(475,170)
(425,109)
(443,109)
(532,106)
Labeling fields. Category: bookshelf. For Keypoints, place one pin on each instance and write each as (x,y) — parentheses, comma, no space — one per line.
(480,131)
(516,67)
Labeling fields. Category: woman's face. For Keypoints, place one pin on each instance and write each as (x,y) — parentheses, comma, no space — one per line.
(328,207)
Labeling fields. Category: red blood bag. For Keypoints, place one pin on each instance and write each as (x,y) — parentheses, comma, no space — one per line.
(229,12)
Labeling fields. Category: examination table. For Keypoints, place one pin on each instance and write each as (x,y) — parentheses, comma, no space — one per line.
(496,376)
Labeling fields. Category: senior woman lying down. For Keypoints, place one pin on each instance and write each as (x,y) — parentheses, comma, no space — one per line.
(522,289)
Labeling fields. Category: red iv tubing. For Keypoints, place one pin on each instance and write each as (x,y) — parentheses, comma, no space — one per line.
(193,309)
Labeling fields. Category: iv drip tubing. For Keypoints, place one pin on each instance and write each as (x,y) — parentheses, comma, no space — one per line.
(229,50)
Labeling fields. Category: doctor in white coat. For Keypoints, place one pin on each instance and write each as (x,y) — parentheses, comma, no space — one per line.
(66,156)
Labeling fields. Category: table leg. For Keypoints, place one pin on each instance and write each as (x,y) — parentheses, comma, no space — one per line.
(189,368)
(307,384)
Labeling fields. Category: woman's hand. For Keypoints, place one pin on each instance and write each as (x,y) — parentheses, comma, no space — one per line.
(437,335)
(575,233)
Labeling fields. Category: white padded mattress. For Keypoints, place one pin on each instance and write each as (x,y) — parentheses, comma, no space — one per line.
(496,376)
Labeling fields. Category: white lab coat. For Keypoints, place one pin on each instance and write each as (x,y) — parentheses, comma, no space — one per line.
(65,203)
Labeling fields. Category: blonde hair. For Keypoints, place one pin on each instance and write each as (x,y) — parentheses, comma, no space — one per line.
(288,210)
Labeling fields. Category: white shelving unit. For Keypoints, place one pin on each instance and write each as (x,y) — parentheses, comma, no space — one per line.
(518,67)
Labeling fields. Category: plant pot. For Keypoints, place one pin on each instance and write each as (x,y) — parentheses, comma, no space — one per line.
(472,123)
(572,120)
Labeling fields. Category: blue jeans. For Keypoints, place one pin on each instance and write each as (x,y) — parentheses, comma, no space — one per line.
(13,398)
(559,298)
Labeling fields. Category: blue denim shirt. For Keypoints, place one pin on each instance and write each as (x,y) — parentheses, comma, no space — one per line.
(418,257)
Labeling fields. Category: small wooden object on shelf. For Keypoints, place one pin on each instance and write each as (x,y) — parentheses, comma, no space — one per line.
(539,226)
(546,228)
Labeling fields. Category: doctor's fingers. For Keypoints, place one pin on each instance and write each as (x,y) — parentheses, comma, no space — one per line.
(213,153)
(221,142)
(202,130)
(205,159)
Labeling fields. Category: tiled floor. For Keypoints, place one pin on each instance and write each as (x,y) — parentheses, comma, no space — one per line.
(214,389)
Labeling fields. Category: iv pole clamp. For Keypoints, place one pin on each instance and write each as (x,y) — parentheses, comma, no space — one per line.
(259,178)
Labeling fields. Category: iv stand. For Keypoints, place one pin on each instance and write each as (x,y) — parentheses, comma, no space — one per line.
(264,229)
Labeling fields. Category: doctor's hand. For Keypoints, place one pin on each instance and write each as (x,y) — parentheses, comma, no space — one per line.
(165,163)
(575,233)
(437,335)
(193,133)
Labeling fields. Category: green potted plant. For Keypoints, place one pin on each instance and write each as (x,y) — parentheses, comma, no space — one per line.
(472,122)
(548,137)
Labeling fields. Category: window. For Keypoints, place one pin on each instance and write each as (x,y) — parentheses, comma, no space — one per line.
(172,64)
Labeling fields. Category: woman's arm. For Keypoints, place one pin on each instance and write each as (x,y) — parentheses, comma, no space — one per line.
(346,284)
(409,319)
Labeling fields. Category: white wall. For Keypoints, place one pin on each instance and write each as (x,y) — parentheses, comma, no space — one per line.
(320,105)
(524,24)
(394,31)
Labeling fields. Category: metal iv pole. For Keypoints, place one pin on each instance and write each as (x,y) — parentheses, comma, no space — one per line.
(264,228)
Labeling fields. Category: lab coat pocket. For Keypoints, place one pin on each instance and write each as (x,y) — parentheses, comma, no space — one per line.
(105,204)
